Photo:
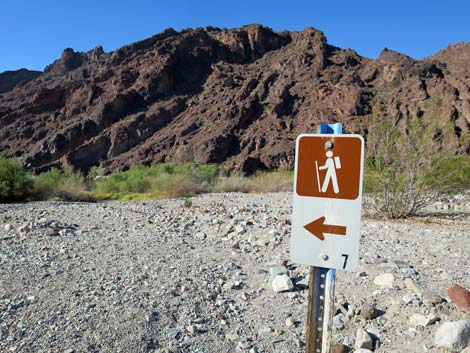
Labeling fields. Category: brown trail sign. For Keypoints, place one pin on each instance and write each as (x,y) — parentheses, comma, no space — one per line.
(326,220)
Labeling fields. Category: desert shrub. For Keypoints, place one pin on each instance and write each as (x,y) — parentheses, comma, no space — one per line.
(161,180)
(407,171)
(188,202)
(281,180)
(235,182)
(15,183)
(61,184)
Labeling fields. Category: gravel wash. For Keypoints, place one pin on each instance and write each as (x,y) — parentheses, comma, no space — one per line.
(156,276)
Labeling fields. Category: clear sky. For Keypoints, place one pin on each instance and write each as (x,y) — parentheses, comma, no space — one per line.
(34,32)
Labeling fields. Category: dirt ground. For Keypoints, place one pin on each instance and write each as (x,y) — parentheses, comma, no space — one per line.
(158,277)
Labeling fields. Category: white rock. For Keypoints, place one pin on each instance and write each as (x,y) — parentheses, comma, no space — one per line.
(231,337)
(453,335)
(240,229)
(8,227)
(25,228)
(363,339)
(273,232)
(289,322)
(282,283)
(384,280)
(338,321)
(421,320)
(265,331)
(200,235)
(362,350)
(408,298)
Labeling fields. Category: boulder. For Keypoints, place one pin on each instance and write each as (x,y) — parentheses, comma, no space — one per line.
(460,296)
(453,335)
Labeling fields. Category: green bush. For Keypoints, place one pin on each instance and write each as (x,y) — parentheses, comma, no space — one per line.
(61,184)
(161,180)
(188,202)
(407,171)
(137,183)
(15,183)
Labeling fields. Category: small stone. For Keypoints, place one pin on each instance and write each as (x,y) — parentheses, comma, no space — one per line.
(152,316)
(405,267)
(408,298)
(290,322)
(363,339)
(421,320)
(265,331)
(339,348)
(338,321)
(432,297)
(228,285)
(369,312)
(231,337)
(7,227)
(25,228)
(385,280)
(191,329)
(413,286)
(282,283)
(453,335)
(239,229)
(235,246)
(254,349)
(351,311)
(230,266)
(244,296)
(242,346)
(276,271)
(173,334)
(301,283)
(200,235)
(460,297)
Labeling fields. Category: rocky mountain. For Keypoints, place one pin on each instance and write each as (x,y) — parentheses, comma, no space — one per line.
(10,79)
(234,97)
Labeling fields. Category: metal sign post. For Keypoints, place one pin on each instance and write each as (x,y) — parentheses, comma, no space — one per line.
(326,219)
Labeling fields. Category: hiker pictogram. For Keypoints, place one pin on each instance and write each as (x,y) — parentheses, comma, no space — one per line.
(331,164)
(329,167)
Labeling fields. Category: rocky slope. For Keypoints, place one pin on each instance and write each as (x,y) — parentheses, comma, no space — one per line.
(233,97)
(159,277)
(10,79)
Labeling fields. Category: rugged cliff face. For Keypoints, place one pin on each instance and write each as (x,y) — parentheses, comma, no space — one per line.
(9,79)
(233,97)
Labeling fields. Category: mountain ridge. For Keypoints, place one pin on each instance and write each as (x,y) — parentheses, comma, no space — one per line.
(235,97)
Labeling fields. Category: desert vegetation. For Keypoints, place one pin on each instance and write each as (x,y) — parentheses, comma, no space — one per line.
(405,171)
(165,180)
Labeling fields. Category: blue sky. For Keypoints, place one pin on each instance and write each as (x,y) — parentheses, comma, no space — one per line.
(33,33)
